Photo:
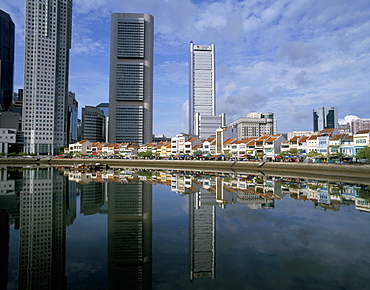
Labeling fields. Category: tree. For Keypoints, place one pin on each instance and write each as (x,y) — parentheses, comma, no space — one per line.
(314,153)
(364,192)
(363,153)
(147,153)
(290,152)
(197,153)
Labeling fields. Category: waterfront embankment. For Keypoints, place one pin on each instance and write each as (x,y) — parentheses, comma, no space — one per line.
(335,172)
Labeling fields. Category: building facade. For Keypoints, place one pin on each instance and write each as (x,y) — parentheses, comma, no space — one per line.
(201,83)
(46,64)
(93,124)
(205,126)
(72,128)
(359,124)
(325,118)
(6,60)
(255,124)
(131,78)
(105,108)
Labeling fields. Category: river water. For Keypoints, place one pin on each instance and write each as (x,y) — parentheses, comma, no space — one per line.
(127,229)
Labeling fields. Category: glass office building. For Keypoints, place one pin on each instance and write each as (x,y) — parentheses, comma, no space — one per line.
(131,78)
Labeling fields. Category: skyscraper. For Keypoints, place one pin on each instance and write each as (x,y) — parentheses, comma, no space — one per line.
(93,124)
(325,118)
(72,120)
(202,83)
(131,78)
(6,60)
(46,57)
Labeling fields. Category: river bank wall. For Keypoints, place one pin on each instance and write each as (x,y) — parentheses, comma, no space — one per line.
(312,170)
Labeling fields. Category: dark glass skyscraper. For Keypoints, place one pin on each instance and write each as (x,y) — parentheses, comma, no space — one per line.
(6,60)
(325,118)
(131,78)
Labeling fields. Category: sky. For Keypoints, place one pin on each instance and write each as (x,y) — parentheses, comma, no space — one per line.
(286,57)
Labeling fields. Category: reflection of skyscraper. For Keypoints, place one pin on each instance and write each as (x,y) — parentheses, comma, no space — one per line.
(8,202)
(42,230)
(4,248)
(92,197)
(130,235)
(202,233)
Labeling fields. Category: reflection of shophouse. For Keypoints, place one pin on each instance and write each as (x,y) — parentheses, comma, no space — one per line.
(362,204)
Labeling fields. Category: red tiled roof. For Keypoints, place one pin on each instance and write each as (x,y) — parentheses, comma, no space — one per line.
(363,132)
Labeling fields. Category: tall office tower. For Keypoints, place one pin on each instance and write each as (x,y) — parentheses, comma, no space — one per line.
(131,78)
(72,119)
(93,124)
(255,124)
(6,60)
(202,82)
(325,118)
(42,234)
(46,64)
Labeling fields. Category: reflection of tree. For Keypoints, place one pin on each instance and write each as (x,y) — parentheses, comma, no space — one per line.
(147,174)
(294,186)
(337,189)
(364,192)
(314,186)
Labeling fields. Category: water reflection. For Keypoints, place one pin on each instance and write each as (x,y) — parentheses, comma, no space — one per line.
(130,235)
(41,203)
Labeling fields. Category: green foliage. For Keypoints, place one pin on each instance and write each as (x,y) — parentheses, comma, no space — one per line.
(290,152)
(147,153)
(314,153)
(147,174)
(314,186)
(364,192)
(363,153)
(197,153)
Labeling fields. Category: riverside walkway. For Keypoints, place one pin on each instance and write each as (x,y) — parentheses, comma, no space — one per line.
(352,172)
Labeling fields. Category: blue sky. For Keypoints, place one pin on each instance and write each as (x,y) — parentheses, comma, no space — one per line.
(286,57)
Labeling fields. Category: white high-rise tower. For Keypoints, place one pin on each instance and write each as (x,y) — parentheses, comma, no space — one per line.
(202,83)
(46,64)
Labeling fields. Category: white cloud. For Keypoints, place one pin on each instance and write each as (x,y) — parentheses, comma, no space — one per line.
(347,119)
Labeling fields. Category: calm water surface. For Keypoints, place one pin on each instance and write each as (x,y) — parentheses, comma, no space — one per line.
(175,230)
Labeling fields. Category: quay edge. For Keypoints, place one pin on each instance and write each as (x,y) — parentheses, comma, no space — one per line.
(358,170)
